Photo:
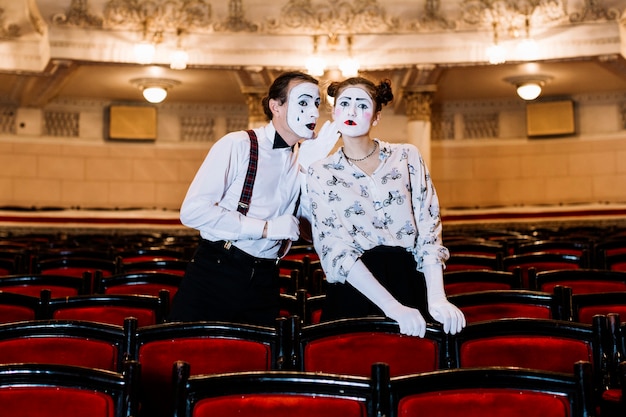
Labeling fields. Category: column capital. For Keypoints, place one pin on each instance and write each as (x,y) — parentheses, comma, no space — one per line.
(418,102)
(256,115)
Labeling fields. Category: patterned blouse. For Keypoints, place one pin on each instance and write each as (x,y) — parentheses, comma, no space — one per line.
(353,212)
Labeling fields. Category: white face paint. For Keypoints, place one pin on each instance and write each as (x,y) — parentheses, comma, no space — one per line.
(302,110)
(353,112)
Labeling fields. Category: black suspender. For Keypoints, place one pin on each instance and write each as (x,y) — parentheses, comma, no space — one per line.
(246,192)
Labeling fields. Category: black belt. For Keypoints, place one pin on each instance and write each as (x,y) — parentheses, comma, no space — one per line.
(239,256)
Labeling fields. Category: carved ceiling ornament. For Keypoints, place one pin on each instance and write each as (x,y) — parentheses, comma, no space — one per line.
(236,21)
(593,11)
(77,15)
(511,18)
(333,17)
(324,17)
(8,30)
(164,16)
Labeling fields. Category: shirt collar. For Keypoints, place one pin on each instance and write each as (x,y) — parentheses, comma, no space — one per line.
(279,142)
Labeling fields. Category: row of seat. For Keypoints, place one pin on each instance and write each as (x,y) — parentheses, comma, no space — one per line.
(345,347)
(601,254)
(68,391)
(569,295)
(469,392)
(102,308)
(582,280)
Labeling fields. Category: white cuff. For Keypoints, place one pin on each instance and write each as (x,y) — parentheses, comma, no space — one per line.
(252,228)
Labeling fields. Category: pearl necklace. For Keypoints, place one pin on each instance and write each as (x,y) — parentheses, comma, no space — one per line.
(365,157)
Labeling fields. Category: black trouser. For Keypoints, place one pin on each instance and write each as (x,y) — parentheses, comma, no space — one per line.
(227,285)
(395,269)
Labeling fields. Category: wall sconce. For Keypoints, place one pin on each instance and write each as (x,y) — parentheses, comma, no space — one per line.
(496,53)
(527,48)
(180,57)
(529,86)
(315,64)
(349,67)
(144,52)
(154,90)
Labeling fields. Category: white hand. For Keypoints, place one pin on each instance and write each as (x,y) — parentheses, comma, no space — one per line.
(411,321)
(315,149)
(283,227)
(448,314)
(439,307)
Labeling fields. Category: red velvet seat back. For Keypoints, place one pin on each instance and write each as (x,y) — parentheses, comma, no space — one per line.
(494,311)
(55,402)
(276,405)
(618,266)
(60,350)
(466,267)
(586,313)
(10,313)
(465,287)
(354,354)
(206,355)
(107,314)
(589,286)
(484,402)
(537,352)
(545,266)
(142,289)
(72,271)
(34,290)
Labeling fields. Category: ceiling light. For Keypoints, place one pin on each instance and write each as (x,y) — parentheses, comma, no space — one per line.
(154,89)
(154,94)
(529,86)
(529,91)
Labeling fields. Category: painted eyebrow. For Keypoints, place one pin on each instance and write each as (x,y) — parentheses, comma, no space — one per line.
(305,95)
(357,99)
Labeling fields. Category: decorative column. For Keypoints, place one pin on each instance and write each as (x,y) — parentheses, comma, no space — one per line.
(418,101)
(256,116)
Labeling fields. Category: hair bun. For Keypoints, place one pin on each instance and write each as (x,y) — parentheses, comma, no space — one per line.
(384,93)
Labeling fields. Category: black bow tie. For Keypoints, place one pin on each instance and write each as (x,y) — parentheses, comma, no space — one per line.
(279,142)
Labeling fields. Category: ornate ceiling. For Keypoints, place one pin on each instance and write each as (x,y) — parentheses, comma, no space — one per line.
(84,48)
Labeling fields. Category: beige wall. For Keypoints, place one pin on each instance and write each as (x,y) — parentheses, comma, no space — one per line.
(525,172)
(507,170)
(531,172)
(38,173)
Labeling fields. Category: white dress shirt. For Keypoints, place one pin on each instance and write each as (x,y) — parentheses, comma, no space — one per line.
(210,205)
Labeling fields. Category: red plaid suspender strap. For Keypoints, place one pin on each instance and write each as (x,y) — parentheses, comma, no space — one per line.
(246,192)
